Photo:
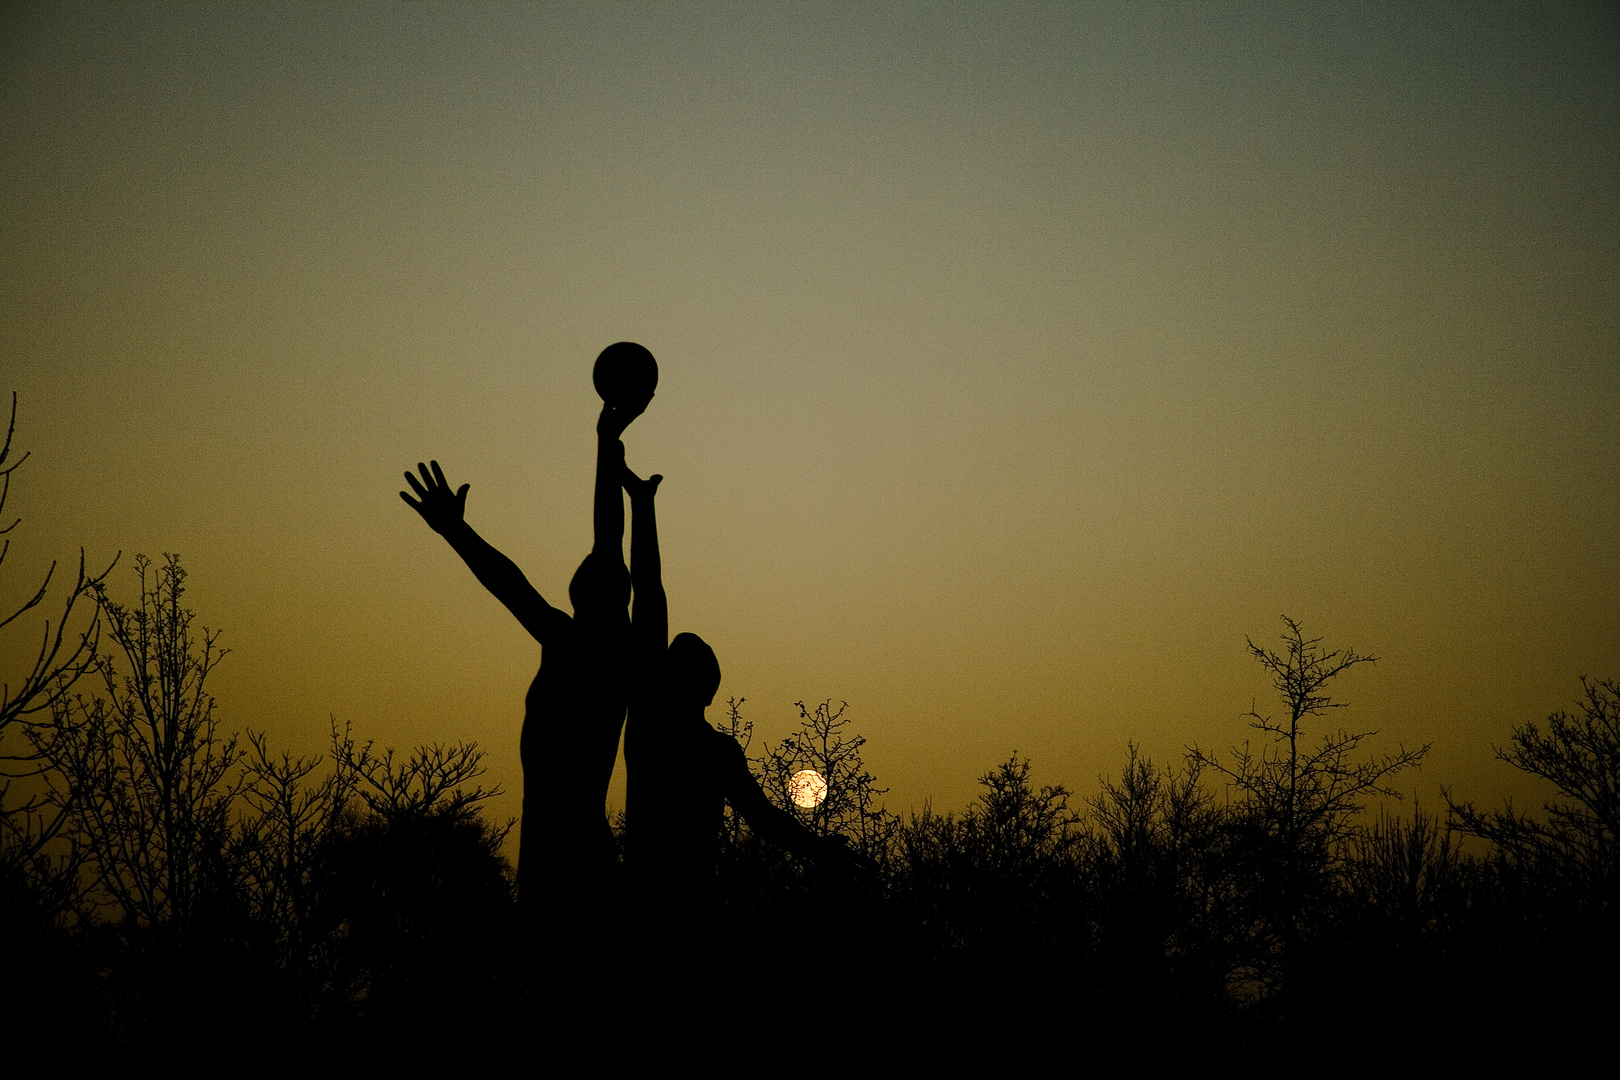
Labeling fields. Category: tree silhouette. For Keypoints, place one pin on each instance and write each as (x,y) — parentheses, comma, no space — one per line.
(288,817)
(1580,755)
(992,881)
(365,893)
(1411,899)
(733,830)
(1408,875)
(1159,886)
(824,744)
(145,774)
(1551,914)
(1295,803)
(411,905)
(50,985)
(28,819)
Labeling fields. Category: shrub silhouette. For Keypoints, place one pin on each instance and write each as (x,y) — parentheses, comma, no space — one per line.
(368,892)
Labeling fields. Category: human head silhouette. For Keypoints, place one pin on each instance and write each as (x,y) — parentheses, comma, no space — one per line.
(692,672)
(599,586)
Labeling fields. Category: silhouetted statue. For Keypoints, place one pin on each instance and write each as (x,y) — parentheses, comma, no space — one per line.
(680,773)
(567,859)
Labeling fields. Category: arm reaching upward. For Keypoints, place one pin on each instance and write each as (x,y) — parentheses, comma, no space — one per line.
(649,618)
(443,513)
(608,515)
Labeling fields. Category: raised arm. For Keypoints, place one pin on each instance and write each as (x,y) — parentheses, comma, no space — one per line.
(649,615)
(443,512)
(608,515)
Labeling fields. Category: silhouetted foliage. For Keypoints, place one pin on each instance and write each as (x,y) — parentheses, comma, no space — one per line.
(369,891)
(995,888)
(1294,808)
(144,774)
(1159,885)
(287,822)
(823,743)
(1580,756)
(418,916)
(764,889)
(1409,877)
(359,898)
(1547,913)
(1405,914)
(29,821)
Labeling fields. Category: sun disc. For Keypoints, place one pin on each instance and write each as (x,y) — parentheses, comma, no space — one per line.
(807,789)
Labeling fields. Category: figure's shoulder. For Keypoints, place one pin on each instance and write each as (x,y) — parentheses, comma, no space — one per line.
(724,751)
(721,740)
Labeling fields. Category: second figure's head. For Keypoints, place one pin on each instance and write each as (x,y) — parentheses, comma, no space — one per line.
(692,673)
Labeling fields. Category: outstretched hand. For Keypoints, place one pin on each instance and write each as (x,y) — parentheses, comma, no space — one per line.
(438,507)
(637,488)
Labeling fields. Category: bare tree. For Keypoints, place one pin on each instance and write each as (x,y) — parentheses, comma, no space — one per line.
(288,818)
(994,893)
(28,820)
(145,775)
(1296,800)
(1015,826)
(1580,755)
(849,806)
(436,779)
(1407,874)
(1158,882)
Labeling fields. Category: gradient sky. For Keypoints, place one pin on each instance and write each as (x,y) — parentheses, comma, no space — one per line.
(1016,361)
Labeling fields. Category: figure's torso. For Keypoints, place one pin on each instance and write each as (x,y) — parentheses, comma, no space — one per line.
(573,714)
(678,770)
